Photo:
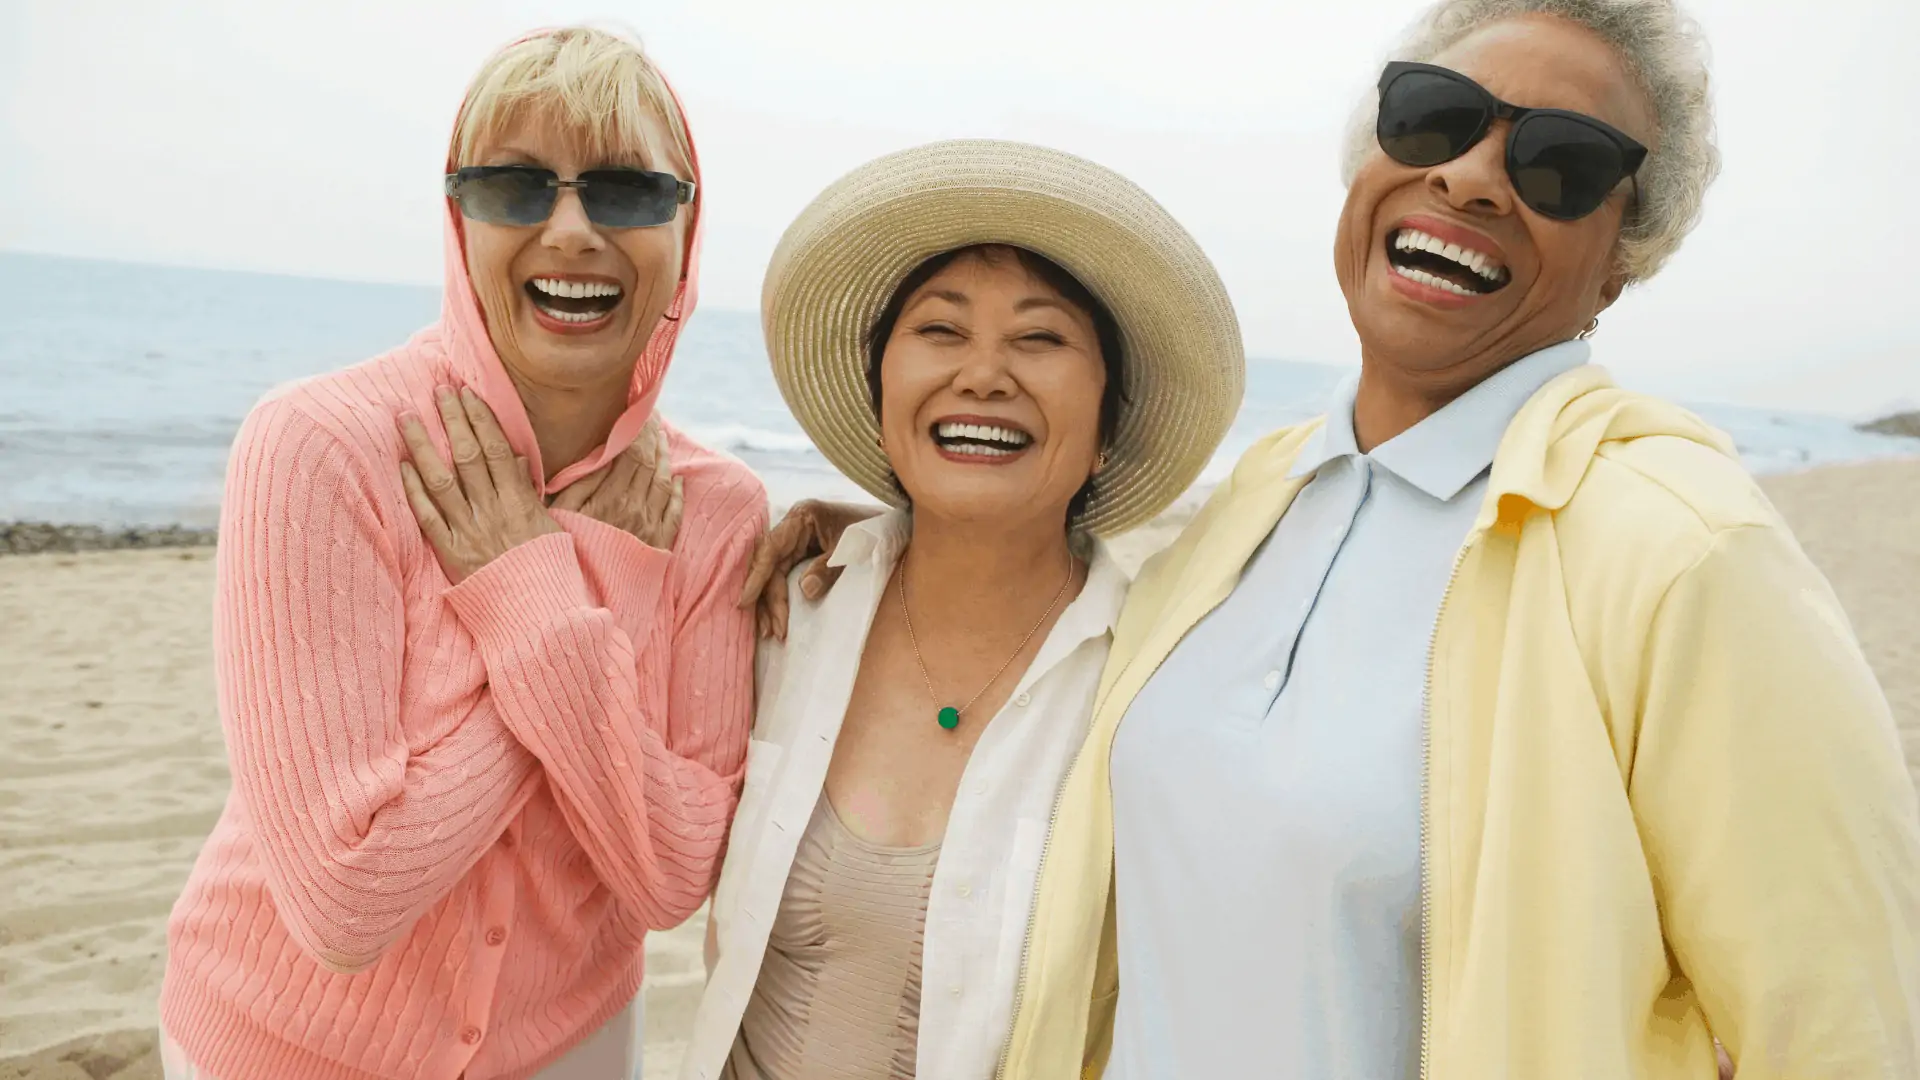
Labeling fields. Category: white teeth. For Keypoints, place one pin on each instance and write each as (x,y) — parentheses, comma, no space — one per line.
(577,290)
(1479,262)
(574,316)
(1434,280)
(975,450)
(985,433)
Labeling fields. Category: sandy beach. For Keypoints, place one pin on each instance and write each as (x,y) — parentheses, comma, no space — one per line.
(114,770)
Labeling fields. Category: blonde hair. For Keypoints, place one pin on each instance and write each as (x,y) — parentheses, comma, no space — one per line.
(596,84)
(1665,52)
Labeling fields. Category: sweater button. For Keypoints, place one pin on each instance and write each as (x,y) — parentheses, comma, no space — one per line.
(471,1035)
(496,936)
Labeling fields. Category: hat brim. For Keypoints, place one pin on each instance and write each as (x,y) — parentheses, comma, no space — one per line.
(840,261)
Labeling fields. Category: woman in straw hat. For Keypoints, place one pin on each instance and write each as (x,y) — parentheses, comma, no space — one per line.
(1021,352)
(486,720)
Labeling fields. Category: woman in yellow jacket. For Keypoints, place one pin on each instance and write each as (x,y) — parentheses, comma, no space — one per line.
(1494,726)
(1497,726)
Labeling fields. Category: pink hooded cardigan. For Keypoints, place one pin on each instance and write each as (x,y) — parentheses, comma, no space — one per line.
(456,811)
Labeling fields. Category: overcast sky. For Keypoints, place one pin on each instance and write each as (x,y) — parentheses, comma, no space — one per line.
(308,138)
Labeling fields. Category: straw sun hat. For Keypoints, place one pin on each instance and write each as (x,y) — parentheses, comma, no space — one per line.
(841,260)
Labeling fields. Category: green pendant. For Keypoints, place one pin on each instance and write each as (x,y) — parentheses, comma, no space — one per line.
(949,718)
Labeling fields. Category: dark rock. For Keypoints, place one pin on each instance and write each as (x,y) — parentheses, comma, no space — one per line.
(32,537)
(1907,424)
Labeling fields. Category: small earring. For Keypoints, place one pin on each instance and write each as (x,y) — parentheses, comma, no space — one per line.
(1099,462)
(1589,331)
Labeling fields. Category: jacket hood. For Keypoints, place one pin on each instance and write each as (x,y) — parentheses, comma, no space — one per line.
(1546,450)
(463,330)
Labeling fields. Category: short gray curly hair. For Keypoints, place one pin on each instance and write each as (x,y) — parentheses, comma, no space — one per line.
(1665,51)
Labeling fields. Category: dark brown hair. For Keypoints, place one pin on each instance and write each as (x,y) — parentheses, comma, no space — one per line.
(1106,332)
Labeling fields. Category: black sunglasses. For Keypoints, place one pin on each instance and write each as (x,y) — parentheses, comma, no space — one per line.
(1563,164)
(524,195)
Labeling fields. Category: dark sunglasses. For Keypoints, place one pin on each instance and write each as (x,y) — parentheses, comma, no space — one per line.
(1562,164)
(524,195)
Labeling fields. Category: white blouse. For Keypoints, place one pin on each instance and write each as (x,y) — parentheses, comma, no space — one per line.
(990,854)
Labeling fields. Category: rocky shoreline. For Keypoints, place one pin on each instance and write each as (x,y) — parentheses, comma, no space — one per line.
(35,537)
(1907,424)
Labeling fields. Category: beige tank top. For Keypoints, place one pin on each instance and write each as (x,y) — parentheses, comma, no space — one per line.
(838,996)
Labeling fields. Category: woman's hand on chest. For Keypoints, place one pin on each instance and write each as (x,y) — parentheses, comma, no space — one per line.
(637,492)
(485,504)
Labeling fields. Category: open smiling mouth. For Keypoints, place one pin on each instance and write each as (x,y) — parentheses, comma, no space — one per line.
(577,303)
(1421,258)
(980,441)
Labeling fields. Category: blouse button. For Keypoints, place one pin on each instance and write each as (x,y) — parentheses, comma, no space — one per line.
(471,1035)
(1024,699)
(966,890)
(496,936)
(1272,681)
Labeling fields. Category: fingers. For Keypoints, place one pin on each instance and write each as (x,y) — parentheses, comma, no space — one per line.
(617,488)
(433,474)
(575,495)
(773,605)
(759,569)
(670,521)
(802,539)
(831,521)
(771,556)
(432,525)
(819,578)
(508,473)
(468,462)
(660,491)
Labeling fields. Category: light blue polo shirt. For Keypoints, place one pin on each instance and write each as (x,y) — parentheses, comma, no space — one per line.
(1266,781)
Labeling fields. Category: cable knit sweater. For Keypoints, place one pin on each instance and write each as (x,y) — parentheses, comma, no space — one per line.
(456,811)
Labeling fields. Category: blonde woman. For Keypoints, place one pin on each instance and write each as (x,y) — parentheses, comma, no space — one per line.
(1021,352)
(486,719)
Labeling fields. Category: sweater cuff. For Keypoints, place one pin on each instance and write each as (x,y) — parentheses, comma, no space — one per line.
(513,598)
(627,571)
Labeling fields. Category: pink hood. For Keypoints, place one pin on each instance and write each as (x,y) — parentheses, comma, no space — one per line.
(463,331)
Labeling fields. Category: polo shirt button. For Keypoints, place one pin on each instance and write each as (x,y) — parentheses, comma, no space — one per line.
(471,1035)
(496,936)
(1272,681)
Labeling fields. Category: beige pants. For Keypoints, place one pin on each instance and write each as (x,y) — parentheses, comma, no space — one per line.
(612,1053)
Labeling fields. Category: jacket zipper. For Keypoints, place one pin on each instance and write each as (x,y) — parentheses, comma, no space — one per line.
(1426,822)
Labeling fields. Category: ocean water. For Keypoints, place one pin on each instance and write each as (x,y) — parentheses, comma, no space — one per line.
(121,387)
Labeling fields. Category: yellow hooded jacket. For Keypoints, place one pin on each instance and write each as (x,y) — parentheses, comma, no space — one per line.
(1664,795)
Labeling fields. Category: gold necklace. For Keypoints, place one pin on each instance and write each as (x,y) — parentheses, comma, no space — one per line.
(949,717)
